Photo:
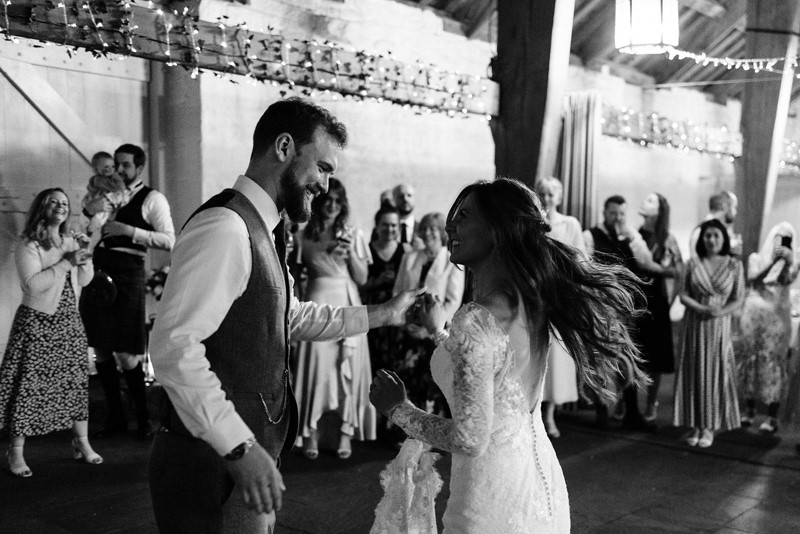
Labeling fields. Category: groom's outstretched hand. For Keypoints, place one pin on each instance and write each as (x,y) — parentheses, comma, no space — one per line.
(257,478)
(393,311)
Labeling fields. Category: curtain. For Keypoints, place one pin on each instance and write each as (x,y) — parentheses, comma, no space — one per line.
(580,135)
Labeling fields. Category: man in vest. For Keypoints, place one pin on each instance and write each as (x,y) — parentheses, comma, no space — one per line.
(220,347)
(614,241)
(119,328)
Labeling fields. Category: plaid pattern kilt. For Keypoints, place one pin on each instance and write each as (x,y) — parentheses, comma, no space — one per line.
(119,327)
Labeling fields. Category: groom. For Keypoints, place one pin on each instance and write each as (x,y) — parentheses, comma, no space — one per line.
(220,346)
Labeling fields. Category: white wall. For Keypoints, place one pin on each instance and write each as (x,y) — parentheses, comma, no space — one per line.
(388,144)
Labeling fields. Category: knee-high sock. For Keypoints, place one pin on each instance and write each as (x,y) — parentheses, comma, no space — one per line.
(136,388)
(109,378)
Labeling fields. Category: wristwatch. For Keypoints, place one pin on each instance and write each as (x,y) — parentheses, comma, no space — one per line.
(240,450)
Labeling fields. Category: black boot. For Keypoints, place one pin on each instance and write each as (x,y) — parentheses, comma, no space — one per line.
(136,389)
(116,421)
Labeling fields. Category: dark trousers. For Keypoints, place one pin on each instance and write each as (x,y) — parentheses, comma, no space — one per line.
(188,485)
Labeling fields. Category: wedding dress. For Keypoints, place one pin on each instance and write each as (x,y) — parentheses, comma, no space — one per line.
(505,476)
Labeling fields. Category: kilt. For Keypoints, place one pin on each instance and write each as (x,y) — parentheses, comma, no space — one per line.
(119,327)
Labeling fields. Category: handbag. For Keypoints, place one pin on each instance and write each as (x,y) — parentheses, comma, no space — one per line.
(101,292)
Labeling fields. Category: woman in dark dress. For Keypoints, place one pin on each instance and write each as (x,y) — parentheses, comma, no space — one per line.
(655,327)
(387,253)
(44,380)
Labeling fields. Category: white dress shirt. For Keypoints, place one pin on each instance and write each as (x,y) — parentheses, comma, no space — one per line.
(211,265)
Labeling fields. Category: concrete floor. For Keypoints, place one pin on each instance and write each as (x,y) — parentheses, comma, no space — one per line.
(619,481)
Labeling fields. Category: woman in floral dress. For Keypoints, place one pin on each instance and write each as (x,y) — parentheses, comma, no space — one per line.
(766,325)
(44,380)
(712,288)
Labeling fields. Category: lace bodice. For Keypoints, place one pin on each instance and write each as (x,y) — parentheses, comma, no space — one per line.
(505,476)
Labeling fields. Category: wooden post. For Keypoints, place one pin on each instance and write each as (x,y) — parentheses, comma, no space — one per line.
(531,68)
(772,31)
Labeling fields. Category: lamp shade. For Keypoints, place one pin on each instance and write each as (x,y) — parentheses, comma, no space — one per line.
(646,26)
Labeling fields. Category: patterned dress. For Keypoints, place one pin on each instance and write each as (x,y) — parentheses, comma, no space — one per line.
(766,328)
(705,385)
(44,380)
(505,477)
(383,341)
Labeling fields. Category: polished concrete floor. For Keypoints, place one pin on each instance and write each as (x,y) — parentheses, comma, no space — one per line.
(619,481)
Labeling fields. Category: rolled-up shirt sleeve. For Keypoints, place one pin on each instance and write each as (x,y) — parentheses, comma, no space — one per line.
(211,265)
(155,210)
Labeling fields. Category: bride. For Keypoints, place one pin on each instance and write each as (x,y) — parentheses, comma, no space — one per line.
(491,367)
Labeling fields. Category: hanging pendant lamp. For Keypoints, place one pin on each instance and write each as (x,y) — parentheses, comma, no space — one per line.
(646,26)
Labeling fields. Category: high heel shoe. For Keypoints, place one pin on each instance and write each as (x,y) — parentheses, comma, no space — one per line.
(81,450)
(18,467)
(692,438)
(345,449)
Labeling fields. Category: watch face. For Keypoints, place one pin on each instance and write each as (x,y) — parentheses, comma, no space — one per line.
(236,453)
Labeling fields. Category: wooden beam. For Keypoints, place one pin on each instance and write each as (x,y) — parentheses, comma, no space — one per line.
(587,10)
(532,61)
(734,18)
(599,44)
(772,32)
(487,9)
(178,38)
(709,8)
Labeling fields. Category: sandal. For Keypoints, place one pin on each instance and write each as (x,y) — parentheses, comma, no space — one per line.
(707,439)
(345,450)
(770,426)
(18,468)
(310,449)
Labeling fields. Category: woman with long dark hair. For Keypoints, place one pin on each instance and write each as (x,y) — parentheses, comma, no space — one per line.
(712,288)
(491,364)
(655,327)
(333,376)
(44,379)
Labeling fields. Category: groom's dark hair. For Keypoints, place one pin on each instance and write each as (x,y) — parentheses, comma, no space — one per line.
(299,118)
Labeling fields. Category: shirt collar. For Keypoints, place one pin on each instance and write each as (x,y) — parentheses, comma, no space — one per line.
(263,203)
(135,186)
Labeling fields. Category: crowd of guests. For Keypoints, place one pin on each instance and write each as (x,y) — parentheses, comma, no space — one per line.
(734,344)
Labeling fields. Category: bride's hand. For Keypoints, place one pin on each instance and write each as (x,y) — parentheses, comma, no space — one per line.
(387,391)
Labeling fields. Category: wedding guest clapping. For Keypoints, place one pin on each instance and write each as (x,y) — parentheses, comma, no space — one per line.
(44,380)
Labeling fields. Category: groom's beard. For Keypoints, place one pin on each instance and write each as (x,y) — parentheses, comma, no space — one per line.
(297,201)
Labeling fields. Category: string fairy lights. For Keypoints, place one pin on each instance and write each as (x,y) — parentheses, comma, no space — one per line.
(653,129)
(768,64)
(310,67)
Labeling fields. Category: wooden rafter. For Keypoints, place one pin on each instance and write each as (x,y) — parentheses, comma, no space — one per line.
(485,12)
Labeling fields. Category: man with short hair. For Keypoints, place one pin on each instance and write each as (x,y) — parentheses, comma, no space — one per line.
(118,329)
(220,347)
(403,195)
(723,206)
(614,241)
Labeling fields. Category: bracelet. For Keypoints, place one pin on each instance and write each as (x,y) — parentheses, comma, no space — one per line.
(440,335)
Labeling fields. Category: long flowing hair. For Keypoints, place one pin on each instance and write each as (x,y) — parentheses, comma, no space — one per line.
(315,225)
(35,228)
(658,242)
(588,303)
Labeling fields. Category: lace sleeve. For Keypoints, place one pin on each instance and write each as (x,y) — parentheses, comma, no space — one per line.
(472,345)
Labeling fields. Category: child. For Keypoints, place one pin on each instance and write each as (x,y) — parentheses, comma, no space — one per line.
(104,183)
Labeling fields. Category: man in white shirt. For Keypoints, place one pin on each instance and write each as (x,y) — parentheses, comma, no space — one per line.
(220,345)
(118,328)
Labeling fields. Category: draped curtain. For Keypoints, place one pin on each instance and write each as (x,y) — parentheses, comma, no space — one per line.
(580,135)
